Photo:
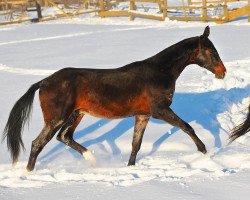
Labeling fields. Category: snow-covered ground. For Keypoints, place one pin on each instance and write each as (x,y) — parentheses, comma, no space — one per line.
(168,165)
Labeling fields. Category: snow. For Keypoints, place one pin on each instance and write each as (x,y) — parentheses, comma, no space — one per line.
(168,165)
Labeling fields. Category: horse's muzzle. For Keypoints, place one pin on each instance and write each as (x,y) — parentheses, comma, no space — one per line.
(220,71)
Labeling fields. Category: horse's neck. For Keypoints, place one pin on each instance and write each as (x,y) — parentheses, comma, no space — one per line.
(175,58)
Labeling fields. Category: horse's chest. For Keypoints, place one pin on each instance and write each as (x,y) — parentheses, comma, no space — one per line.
(169,96)
(162,95)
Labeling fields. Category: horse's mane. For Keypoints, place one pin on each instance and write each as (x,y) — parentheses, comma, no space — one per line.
(176,50)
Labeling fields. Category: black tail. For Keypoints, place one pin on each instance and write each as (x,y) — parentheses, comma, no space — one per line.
(19,115)
(241,129)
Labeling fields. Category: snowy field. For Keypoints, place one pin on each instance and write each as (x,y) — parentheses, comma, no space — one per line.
(168,164)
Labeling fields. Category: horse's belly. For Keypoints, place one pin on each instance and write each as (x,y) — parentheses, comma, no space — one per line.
(108,114)
(112,109)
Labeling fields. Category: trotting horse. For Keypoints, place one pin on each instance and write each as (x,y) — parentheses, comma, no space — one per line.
(241,129)
(142,89)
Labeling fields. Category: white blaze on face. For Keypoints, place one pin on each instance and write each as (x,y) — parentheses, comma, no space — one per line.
(89,156)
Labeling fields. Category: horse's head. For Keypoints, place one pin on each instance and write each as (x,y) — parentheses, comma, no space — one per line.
(208,57)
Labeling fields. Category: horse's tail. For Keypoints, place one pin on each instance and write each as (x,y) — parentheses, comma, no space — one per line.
(241,129)
(19,115)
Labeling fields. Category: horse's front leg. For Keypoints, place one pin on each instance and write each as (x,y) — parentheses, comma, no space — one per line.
(140,126)
(165,113)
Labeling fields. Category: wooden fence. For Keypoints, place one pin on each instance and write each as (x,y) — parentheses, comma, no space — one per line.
(185,12)
(205,5)
(15,11)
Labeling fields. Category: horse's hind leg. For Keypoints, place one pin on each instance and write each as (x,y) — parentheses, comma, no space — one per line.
(43,138)
(140,126)
(66,136)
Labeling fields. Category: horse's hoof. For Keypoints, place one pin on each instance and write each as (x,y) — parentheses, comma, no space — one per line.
(131,163)
(89,156)
(203,150)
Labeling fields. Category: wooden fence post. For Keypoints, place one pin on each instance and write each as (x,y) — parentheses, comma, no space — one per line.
(225,11)
(159,5)
(131,7)
(248,10)
(190,3)
(45,3)
(101,2)
(164,9)
(204,10)
(184,9)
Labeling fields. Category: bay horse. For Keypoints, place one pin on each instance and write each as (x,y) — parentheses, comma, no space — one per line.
(241,129)
(142,89)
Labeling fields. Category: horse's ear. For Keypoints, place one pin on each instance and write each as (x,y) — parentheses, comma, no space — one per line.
(206,32)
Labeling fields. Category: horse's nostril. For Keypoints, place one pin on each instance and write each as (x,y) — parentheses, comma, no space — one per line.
(220,75)
(220,71)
